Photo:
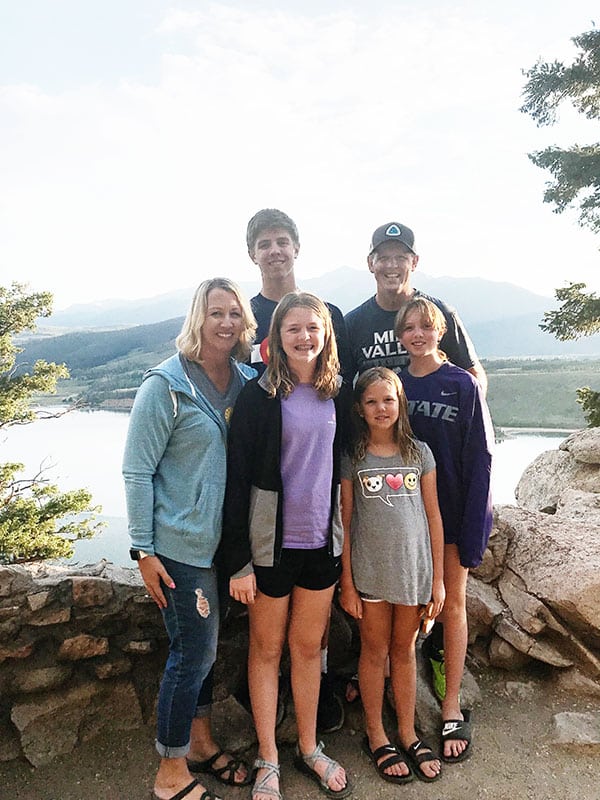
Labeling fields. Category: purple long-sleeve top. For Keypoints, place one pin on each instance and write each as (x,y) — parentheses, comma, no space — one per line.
(448,411)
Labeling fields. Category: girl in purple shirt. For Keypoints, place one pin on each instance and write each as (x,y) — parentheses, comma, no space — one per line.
(282,532)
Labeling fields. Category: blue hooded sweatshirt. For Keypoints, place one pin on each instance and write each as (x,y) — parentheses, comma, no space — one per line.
(175,466)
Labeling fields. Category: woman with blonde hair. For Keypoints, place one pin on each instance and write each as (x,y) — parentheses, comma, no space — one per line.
(175,471)
(282,531)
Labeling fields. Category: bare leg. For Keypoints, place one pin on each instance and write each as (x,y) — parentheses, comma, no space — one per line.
(268,619)
(173,775)
(203,746)
(308,620)
(405,626)
(375,633)
(325,637)
(454,617)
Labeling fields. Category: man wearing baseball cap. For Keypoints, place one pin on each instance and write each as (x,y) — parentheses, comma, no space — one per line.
(392,260)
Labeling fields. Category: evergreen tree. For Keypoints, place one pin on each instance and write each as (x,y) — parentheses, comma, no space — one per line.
(36,519)
(576,173)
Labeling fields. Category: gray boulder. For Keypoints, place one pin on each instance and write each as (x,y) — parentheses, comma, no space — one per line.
(583,445)
(542,570)
(574,466)
(547,477)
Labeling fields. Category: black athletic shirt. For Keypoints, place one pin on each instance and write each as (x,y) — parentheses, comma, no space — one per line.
(370,331)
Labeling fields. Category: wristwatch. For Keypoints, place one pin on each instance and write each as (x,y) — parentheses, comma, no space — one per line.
(137,555)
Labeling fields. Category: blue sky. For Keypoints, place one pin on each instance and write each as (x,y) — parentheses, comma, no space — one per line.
(138,137)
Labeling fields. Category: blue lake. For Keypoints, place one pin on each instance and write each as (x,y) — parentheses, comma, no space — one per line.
(84,449)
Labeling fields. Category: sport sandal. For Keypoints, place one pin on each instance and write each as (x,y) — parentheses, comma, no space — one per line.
(306,765)
(260,786)
(206,795)
(225,774)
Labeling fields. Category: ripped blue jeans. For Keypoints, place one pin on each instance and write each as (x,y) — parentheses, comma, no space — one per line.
(192,622)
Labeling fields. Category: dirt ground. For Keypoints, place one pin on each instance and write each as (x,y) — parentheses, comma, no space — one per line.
(513,758)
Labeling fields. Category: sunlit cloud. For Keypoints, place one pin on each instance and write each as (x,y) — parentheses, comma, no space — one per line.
(343,119)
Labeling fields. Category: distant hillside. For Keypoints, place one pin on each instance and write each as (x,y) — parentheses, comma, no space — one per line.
(477,299)
(503,319)
(117,313)
(107,367)
(522,336)
(539,392)
(83,350)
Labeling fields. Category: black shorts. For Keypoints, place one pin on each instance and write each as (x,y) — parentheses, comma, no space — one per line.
(309,569)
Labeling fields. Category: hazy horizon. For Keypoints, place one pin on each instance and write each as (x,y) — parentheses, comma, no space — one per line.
(255,282)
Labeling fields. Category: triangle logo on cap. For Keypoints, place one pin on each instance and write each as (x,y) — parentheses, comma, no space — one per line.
(393,230)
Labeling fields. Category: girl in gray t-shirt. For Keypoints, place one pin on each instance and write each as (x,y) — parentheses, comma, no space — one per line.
(392,564)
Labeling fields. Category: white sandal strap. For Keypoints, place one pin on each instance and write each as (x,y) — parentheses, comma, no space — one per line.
(260,763)
(260,787)
(317,755)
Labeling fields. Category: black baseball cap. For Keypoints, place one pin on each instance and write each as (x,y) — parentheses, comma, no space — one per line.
(393,232)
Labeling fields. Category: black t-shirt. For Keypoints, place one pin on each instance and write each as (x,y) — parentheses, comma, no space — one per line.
(263,311)
(373,343)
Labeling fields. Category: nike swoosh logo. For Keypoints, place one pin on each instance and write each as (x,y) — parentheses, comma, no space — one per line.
(450,727)
(446,394)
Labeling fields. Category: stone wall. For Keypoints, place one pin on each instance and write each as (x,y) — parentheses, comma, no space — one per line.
(83,650)
(78,651)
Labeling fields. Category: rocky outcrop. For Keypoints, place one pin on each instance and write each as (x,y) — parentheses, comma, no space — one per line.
(575,465)
(584,446)
(537,593)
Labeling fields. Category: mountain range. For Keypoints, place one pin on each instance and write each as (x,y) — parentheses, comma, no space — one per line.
(502,318)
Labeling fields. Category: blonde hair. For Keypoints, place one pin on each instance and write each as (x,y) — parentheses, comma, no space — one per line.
(402,432)
(428,312)
(279,376)
(189,341)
